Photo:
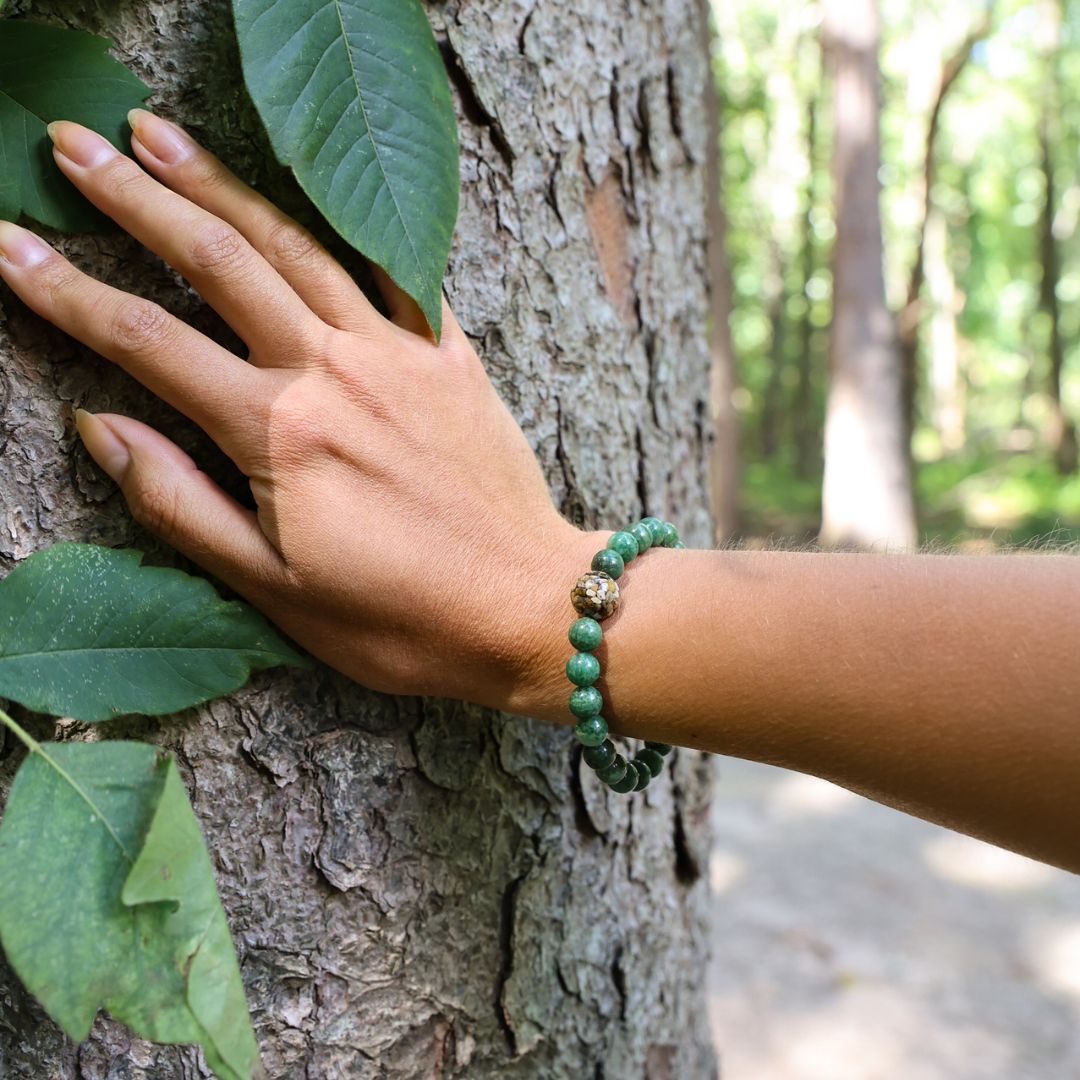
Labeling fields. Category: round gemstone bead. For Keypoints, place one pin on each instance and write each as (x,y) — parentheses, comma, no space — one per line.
(586,701)
(613,773)
(629,781)
(610,562)
(671,535)
(625,544)
(600,757)
(656,530)
(651,760)
(662,748)
(596,594)
(644,777)
(592,731)
(640,532)
(585,634)
(583,669)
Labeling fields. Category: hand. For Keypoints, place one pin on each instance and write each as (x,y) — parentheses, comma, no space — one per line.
(404,531)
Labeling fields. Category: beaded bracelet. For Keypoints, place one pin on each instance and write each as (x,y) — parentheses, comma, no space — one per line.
(595,596)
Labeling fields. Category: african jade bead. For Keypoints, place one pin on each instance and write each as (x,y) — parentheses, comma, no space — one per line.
(656,530)
(583,669)
(599,757)
(625,544)
(595,594)
(670,535)
(592,731)
(629,781)
(651,760)
(609,562)
(662,748)
(613,773)
(586,634)
(586,701)
(644,777)
(640,532)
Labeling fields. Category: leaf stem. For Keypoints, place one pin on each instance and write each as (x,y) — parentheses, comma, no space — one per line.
(23,736)
(35,747)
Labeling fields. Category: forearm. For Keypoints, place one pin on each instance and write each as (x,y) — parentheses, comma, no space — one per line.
(947,686)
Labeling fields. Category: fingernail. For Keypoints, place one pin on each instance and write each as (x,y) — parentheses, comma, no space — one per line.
(164,140)
(83,146)
(20,247)
(103,444)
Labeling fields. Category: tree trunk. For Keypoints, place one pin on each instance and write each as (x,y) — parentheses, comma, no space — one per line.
(420,888)
(866,495)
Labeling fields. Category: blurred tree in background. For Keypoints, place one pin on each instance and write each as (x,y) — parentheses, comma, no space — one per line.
(980,208)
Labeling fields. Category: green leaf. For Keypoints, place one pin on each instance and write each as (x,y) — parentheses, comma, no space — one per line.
(87,632)
(107,900)
(49,73)
(356,100)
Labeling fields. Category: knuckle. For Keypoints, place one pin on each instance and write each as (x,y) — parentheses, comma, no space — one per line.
(56,276)
(121,177)
(139,325)
(290,245)
(303,423)
(156,506)
(205,172)
(216,246)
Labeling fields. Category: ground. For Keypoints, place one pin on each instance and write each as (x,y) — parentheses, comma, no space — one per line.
(852,942)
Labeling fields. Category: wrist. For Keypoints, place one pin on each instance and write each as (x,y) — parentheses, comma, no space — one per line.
(533,679)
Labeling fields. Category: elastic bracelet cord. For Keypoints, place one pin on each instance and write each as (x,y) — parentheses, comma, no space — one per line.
(595,596)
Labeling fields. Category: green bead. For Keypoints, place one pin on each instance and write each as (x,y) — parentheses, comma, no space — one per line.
(585,634)
(661,748)
(610,562)
(583,669)
(613,773)
(592,731)
(644,777)
(625,544)
(586,701)
(629,780)
(651,760)
(679,546)
(640,532)
(600,757)
(656,530)
(671,535)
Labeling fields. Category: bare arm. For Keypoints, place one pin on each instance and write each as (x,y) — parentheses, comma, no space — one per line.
(946,686)
(404,533)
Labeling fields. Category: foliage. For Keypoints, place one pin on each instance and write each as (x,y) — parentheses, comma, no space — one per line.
(50,73)
(107,900)
(87,632)
(981,432)
(356,100)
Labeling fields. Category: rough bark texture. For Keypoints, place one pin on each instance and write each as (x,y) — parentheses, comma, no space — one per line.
(420,888)
(866,497)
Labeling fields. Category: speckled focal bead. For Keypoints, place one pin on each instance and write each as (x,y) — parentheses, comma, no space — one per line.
(595,594)
(609,562)
(625,544)
(583,669)
(586,634)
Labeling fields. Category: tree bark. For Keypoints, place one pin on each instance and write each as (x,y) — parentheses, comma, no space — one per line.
(866,496)
(420,888)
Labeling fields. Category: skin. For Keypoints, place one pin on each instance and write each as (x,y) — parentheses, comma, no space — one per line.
(399,504)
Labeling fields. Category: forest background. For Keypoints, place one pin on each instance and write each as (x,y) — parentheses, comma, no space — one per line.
(980,198)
